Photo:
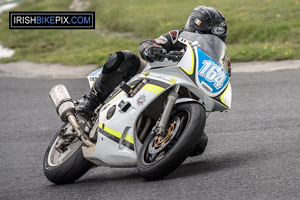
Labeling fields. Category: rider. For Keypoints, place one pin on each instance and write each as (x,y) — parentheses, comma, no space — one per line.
(123,65)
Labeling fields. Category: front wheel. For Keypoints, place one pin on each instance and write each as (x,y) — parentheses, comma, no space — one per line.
(68,164)
(161,155)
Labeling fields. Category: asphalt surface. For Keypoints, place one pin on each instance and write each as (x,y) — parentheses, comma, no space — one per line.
(253,150)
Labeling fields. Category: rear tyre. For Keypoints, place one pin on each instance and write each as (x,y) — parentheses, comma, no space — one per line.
(68,166)
(161,155)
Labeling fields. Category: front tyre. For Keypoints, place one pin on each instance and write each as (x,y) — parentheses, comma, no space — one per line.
(66,166)
(161,155)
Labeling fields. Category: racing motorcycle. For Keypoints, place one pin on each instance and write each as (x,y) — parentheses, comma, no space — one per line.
(152,122)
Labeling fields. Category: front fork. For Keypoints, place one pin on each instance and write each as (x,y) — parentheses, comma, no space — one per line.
(172,97)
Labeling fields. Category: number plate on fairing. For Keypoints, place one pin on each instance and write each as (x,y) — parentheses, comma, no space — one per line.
(210,76)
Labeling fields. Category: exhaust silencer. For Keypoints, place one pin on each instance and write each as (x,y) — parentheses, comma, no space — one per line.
(65,108)
(62,101)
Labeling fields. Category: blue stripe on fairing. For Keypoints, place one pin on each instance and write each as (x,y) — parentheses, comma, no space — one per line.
(202,57)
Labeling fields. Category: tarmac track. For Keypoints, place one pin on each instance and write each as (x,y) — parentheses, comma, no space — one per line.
(253,150)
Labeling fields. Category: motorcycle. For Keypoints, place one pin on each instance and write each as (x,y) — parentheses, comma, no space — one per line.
(152,122)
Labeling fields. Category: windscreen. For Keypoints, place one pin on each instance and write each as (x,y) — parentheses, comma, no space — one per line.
(211,45)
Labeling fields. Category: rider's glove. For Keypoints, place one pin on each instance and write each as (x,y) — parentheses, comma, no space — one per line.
(151,53)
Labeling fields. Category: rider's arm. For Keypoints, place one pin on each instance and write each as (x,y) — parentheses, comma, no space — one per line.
(168,41)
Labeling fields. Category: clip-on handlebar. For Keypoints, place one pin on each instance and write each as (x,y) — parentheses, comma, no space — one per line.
(172,55)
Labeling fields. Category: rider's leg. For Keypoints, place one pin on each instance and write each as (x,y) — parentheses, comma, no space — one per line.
(120,66)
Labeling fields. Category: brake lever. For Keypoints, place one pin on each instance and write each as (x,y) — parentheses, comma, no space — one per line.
(173,58)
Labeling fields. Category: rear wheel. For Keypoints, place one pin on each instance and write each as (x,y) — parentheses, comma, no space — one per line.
(161,155)
(67,164)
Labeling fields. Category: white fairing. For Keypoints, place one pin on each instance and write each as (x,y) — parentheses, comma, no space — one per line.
(120,128)
(226,97)
(109,153)
(117,144)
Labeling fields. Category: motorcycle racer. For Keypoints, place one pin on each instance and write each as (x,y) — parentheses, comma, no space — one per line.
(123,65)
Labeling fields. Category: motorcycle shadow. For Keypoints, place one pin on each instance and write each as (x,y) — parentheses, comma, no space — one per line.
(193,166)
(97,176)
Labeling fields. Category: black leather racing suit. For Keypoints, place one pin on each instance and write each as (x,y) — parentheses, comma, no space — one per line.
(123,65)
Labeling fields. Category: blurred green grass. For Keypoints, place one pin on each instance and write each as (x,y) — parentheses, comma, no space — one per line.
(258,30)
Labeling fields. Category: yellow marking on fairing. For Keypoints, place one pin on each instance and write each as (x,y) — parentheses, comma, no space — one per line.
(222,96)
(116,96)
(129,138)
(113,98)
(172,80)
(153,88)
(192,60)
(112,132)
(115,133)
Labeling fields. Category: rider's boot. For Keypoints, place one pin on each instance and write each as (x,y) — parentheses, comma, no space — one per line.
(102,87)
(120,66)
(201,145)
(91,101)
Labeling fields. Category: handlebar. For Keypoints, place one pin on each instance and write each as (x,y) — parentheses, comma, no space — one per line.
(172,55)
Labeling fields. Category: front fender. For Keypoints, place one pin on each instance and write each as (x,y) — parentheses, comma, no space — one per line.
(185,100)
(189,100)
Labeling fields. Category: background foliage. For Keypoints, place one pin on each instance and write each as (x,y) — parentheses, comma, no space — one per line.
(258,30)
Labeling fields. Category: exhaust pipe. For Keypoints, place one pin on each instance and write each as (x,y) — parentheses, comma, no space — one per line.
(62,101)
(65,108)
